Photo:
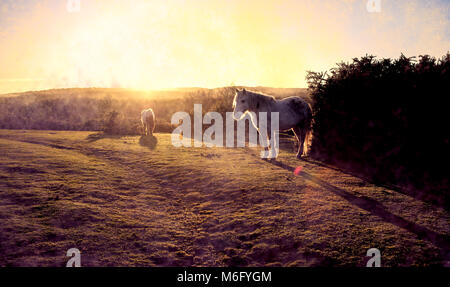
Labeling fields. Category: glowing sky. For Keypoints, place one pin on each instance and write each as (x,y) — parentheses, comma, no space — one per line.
(167,44)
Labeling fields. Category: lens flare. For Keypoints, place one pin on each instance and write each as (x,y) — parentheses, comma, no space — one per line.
(297,170)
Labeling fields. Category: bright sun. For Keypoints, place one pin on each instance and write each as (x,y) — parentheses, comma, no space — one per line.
(166,44)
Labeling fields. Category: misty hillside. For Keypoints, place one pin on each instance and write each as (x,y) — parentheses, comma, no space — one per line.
(166,93)
(114,110)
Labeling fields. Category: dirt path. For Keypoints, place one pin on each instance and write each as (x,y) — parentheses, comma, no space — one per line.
(128,202)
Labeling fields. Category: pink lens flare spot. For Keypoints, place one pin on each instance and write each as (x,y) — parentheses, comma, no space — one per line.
(297,170)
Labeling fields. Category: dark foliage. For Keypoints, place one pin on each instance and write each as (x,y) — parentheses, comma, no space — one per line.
(386,119)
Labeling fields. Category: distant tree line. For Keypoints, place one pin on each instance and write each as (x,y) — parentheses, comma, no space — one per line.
(386,119)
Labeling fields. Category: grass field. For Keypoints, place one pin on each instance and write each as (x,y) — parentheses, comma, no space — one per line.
(127,201)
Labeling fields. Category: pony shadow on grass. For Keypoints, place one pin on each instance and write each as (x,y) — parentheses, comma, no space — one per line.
(376,208)
(101,135)
(149,141)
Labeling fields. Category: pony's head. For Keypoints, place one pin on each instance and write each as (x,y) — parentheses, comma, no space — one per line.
(241,104)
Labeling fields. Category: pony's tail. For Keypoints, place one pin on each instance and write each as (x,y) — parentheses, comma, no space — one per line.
(308,128)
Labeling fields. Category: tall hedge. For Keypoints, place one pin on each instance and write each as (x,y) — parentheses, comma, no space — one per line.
(387,119)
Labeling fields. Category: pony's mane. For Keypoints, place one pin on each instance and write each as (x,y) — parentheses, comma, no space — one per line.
(261,96)
(257,97)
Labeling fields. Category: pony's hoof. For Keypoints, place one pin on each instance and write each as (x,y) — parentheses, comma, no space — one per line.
(264,154)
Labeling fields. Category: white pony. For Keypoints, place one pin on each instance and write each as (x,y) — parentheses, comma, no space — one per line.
(294,113)
(148,121)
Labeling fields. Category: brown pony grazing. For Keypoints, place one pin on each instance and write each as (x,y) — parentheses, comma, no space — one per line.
(148,121)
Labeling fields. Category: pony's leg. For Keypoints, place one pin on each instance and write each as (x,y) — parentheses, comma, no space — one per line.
(273,146)
(271,140)
(151,126)
(303,135)
(266,153)
(265,137)
(298,133)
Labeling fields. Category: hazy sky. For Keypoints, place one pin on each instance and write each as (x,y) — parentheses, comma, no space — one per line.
(166,44)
